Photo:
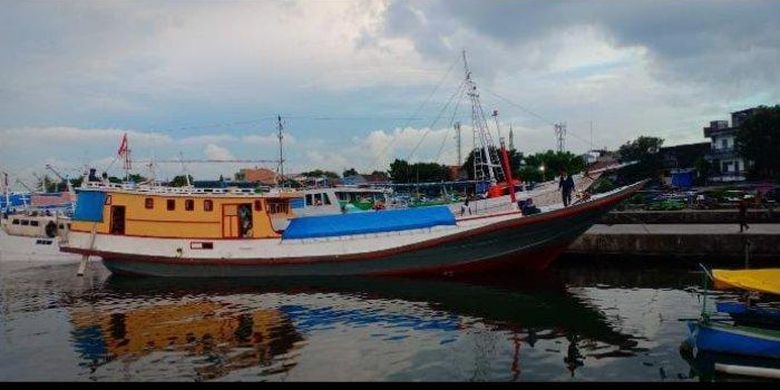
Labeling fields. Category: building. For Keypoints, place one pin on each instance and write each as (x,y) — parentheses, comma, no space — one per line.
(679,163)
(726,163)
(261,176)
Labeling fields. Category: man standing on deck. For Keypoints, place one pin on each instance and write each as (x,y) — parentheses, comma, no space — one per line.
(566,185)
(743,216)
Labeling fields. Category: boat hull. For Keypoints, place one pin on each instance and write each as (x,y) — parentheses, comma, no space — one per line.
(735,339)
(512,241)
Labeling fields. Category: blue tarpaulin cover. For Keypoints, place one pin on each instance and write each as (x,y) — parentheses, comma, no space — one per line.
(370,222)
(89,206)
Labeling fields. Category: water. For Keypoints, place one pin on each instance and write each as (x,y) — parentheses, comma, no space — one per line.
(573,323)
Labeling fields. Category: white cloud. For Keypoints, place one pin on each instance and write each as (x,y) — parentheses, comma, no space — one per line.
(208,139)
(214,152)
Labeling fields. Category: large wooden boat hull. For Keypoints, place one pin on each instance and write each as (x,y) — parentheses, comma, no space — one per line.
(491,242)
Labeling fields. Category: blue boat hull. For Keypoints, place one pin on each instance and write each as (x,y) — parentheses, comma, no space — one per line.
(733,339)
(743,314)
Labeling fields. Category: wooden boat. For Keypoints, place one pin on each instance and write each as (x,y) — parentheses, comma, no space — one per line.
(741,340)
(180,232)
(746,314)
(765,280)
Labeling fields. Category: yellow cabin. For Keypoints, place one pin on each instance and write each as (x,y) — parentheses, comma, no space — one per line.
(162,212)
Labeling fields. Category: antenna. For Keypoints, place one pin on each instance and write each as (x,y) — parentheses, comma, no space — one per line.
(560,135)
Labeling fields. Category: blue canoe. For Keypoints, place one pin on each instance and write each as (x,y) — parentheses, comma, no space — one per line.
(745,314)
(740,340)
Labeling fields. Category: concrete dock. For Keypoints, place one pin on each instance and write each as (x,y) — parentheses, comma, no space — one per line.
(680,240)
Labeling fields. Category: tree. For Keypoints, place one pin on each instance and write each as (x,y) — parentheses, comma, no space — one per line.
(240,175)
(181,181)
(349,172)
(703,169)
(317,173)
(758,140)
(403,172)
(136,178)
(643,150)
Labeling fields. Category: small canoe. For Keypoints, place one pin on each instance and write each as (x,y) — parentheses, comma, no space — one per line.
(747,315)
(765,280)
(741,340)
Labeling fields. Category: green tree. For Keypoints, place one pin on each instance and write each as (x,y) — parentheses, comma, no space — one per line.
(136,178)
(643,150)
(703,170)
(403,172)
(181,181)
(349,172)
(240,176)
(320,173)
(758,140)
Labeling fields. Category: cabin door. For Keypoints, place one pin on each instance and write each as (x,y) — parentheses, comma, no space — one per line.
(237,220)
(118,220)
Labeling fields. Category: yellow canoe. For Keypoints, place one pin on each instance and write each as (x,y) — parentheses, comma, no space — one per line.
(765,280)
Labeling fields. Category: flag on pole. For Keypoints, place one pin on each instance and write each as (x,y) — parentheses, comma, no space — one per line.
(124,151)
(123,146)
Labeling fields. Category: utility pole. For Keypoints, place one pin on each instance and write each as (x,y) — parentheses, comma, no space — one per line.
(457,140)
(280,127)
(560,135)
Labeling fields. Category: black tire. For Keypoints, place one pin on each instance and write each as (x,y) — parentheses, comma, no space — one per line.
(51,229)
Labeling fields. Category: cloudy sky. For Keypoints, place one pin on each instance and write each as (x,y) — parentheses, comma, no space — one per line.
(359,83)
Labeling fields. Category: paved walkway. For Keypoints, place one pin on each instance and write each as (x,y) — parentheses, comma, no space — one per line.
(681,229)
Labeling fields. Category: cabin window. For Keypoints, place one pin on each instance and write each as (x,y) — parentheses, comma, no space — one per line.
(149,203)
(258,206)
(318,199)
(208,205)
(15,222)
(189,204)
(108,199)
(33,223)
(278,207)
(62,227)
(309,201)
(171,203)
(327,199)
(25,222)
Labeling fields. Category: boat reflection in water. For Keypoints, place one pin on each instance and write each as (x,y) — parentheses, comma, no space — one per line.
(210,329)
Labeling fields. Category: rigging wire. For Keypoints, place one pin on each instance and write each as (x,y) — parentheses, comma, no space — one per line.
(457,92)
(543,119)
(452,120)
(417,112)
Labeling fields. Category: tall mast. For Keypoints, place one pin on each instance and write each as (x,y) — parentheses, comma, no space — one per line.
(457,139)
(280,127)
(486,155)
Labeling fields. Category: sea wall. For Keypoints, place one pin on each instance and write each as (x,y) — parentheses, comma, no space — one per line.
(690,216)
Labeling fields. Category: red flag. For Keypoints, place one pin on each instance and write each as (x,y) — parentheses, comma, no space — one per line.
(123,146)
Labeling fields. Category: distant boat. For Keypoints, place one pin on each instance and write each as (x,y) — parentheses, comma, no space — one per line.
(741,340)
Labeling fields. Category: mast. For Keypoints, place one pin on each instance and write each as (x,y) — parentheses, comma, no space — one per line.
(280,127)
(485,155)
(457,139)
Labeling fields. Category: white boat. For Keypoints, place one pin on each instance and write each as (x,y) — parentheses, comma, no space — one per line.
(33,237)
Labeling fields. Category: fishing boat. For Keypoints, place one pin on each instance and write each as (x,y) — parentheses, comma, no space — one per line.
(715,336)
(191,232)
(165,231)
(766,280)
(33,236)
(747,314)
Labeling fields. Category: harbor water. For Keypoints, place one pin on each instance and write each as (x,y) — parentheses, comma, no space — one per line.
(579,321)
